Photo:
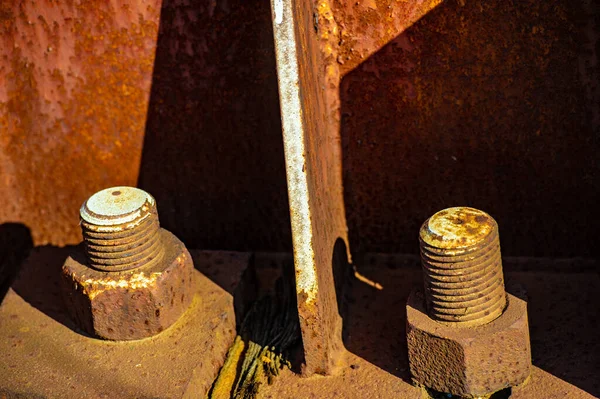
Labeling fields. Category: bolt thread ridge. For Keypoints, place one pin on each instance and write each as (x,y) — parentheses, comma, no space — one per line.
(464,284)
(122,241)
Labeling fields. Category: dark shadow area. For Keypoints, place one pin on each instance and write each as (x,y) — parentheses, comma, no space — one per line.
(375,326)
(563,323)
(213,153)
(503,394)
(484,104)
(343,281)
(234,272)
(39,283)
(15,245)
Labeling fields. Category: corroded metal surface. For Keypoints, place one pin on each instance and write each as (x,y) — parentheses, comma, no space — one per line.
(462,267)
(75,82)
(362,380)
(468,362)
(465,334)
(121,230)
(74,86)
(43,354)
(132,304)
(480,102)
(131,279)
(312,154)
(466,100)
(565,359)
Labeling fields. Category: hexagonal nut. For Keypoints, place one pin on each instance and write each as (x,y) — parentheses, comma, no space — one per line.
(132,304)
(468,361)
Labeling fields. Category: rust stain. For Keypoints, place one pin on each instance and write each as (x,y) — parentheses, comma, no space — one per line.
(367,26)
(462,267)
(73,97)
(457,228)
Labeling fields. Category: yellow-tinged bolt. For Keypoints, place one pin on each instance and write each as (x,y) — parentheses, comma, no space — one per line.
(460,255)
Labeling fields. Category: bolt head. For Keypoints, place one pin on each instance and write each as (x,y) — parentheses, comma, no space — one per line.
(457,228)
(117,206)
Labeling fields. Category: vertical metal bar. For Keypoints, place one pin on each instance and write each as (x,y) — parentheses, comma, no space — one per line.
(314,178)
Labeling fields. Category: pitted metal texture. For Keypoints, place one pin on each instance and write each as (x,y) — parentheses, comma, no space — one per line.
(130,279)
(121,229)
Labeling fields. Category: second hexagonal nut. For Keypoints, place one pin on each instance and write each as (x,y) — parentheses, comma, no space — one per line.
(470,362)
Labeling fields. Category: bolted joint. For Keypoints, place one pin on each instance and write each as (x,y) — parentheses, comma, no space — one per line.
(129,279)
(462,267)
(120,229)
(465,335)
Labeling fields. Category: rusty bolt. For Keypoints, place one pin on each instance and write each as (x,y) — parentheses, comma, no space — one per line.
(129,279)
(466,335)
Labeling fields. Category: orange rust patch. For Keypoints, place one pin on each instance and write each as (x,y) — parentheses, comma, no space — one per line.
(73,98)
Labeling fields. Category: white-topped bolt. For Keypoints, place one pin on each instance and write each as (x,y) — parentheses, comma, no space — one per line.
(120,229)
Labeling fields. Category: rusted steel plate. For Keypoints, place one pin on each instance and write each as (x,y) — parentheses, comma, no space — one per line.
(312,155)
(75,78)
(74,86)
(478,102)
(44,354)
(513,115)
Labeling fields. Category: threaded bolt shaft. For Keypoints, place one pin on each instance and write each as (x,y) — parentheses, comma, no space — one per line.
(120,229)
(462,266)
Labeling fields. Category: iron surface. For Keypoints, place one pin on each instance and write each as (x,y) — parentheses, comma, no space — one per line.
(312,153)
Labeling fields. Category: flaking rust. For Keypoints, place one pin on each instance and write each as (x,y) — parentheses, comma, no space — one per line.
(74,88)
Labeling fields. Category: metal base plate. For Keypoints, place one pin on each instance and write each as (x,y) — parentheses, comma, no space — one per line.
(42,354)
(562,306)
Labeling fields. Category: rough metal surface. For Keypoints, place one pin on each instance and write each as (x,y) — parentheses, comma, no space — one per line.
(489,103)
(132,304)
(74,86)
(473,361)
(356,379)
(85,104)
(43,354)
(562,312)
(565,358)
(542,385)
(362,380)
(312,153)
(463,100)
